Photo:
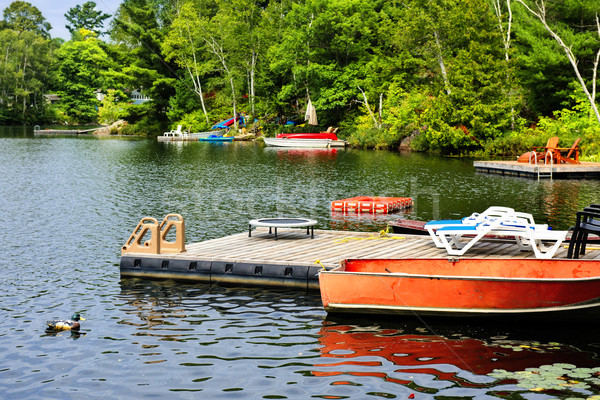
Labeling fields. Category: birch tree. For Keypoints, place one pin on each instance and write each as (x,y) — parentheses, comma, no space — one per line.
(539,11)
(181,44)
(505,27)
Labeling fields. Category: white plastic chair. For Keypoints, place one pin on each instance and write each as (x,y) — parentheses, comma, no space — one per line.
(178,130)
(527,236)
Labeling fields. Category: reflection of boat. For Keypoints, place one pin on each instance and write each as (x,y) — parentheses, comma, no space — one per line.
(420,353)
(306,143)
(216,138)
(341,221)
(303,153)
(465,287)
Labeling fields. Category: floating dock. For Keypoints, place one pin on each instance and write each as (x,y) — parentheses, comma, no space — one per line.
(540,171)
(294,260)
(64,131)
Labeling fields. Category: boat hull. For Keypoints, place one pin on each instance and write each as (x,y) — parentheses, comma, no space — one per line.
(298,143)
(466,287)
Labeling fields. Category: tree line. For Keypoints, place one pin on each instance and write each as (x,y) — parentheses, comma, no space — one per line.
(458,76)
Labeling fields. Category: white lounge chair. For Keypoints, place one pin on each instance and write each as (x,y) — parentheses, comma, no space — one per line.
(475,218)
(527,236)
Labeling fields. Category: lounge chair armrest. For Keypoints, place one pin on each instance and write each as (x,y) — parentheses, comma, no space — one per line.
(590,212)
(588,215)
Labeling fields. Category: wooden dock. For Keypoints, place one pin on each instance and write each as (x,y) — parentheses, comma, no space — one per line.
(540,171)
(64,131)
(294,260)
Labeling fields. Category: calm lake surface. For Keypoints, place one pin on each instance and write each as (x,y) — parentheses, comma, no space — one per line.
(67,204)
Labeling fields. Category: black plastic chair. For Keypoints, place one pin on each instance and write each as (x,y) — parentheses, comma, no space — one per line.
(588,221)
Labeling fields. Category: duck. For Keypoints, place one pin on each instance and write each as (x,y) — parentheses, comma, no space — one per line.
(65,324)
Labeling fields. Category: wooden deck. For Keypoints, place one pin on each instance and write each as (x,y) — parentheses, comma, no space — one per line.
(540,171)
(65,131)
(294,259)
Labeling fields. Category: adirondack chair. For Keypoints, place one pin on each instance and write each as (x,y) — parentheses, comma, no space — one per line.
(571,153)
(540,153)
(547,151)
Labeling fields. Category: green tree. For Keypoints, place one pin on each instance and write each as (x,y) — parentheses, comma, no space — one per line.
(587,31)
(184,44)
(24,75)
(24,66)
(324,54)
(137,31)
(545,70)
(80,67)
(86,16)
(21,16)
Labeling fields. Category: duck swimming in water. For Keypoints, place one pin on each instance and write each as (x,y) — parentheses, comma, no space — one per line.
(65,324)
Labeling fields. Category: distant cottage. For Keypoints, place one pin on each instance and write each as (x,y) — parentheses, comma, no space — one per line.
(138,97)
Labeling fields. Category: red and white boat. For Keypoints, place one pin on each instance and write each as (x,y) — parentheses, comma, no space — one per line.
(465,287)
(320,135)
(321,139)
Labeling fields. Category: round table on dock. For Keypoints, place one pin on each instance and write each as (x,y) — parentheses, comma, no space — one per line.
(284,223)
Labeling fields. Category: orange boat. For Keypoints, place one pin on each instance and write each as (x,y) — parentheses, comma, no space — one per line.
(465,287)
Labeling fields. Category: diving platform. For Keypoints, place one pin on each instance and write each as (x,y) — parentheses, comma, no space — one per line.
(584,170)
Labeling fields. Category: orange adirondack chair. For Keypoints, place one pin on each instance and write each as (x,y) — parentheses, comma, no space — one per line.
(572,153)
(541,152)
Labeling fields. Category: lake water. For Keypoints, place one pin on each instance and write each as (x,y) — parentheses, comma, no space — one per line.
(68,204)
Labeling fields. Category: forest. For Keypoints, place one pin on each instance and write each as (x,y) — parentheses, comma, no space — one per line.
(454,77)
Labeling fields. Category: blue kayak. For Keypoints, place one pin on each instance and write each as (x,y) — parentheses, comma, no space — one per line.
(215,138)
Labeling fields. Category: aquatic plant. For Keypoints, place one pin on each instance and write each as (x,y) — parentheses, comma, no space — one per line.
(558,376)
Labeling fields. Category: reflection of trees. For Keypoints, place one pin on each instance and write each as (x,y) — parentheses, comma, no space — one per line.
(560,200)
(461,360)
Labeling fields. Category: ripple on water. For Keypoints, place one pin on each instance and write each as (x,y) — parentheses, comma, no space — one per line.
(69,203)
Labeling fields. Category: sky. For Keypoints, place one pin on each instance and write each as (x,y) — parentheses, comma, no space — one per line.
(54,11)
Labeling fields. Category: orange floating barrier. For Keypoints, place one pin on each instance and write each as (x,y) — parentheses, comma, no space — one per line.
(373,205)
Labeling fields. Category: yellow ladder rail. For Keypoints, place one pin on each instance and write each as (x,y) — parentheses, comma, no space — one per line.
(178,245)
(157,242)
(135,245)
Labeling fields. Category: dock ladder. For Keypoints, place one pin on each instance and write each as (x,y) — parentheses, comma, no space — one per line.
(150,237)
(542,174)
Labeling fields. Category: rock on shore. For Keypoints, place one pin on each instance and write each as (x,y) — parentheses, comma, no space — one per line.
(112,129)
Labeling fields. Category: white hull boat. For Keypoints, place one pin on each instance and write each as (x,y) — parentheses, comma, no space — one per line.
(299,143)
(184,136)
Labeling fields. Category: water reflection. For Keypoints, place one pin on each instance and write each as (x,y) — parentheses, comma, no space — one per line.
(440,364)
(352,221)
(68,204)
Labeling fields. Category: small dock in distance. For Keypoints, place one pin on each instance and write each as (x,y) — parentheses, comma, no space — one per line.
(64,131)
(583,170)
(295,259)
